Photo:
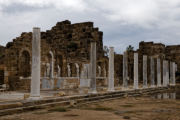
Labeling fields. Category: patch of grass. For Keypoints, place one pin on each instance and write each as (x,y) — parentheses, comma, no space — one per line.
(102,109)
(126,117)
(71,115)
(124,112)
(98,108)
(58,109)
(40,113)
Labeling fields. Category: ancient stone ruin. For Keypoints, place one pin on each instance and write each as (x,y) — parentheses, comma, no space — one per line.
(66,62)
(63,48)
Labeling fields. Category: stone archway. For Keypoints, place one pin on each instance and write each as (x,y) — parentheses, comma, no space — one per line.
(24,64)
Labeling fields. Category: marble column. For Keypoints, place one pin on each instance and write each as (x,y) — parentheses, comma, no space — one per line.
(52,70)
(152,72)
(52,64)
(93,68)
(164,73)
(144,71)
(158,72)
(167,72)
(136,71)
(111,70)
(36,64)
(173,73)
(125,70)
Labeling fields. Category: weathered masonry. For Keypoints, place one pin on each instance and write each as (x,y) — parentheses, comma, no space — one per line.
(64,50)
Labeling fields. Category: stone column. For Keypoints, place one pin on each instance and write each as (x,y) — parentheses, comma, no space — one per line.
(93,68)
(52,64)
(144,71)
(125,70)
(36,64)
(174,74)
(152,72)
(167,72)
(136,71)
(158,72)
(52,70)
(111,70)
(171,73)
(164,73)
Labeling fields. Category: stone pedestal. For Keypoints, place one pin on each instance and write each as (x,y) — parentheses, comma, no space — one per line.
(136,71)
(158,72)
(111,70)
(36,64)
(93,68)
(144,71)
(125,70)
(152,72)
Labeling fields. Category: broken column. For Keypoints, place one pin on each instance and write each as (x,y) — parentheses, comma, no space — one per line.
(152,72)
(36,64)
(164,73)
(111,69)
(136,71)
(93,68)
(158,72)
(125,70)
(144,71)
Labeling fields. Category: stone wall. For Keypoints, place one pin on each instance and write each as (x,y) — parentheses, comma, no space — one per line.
(69,43)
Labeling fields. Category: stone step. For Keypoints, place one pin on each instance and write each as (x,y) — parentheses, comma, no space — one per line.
(22,106)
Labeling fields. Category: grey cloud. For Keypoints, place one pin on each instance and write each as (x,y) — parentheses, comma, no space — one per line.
(156,21)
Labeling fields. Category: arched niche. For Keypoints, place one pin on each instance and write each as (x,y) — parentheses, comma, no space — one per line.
(24,64)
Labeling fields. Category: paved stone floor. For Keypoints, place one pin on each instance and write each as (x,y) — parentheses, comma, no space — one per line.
(19,95)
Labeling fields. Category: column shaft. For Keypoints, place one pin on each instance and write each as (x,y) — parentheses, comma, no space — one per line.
(36,64)
(144,71)
(158,72)
(93,68)
(125,70)
(136,71)
(152,72)
(111,70)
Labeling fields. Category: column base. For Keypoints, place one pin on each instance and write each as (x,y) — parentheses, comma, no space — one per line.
(111,90)
(125,88)
(92,92)
(144,87)
(34,98)
(152,86)
(136,87)
(172,84)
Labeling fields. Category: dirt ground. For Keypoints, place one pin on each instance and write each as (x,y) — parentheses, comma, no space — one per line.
(132,108)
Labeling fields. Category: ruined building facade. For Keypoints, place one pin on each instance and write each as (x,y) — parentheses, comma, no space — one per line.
(68,44)
(151,49)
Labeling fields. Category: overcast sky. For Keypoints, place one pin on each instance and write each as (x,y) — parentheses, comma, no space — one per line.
(123,22)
